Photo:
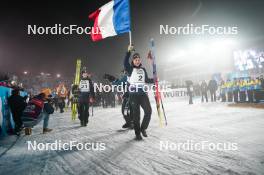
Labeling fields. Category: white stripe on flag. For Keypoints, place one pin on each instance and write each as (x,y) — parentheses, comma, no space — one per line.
(105,20)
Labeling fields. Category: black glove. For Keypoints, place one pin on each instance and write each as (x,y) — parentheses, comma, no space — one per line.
(109,77)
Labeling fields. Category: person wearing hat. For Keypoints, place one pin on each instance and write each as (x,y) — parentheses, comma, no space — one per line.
(45,95)
(138,97)
(86,96)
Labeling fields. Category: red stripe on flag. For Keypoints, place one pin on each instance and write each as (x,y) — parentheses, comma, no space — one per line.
(95,32)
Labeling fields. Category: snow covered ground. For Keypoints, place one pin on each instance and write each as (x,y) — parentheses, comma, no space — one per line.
(210,122)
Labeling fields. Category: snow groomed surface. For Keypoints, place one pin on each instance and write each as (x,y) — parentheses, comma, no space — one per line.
(212,122)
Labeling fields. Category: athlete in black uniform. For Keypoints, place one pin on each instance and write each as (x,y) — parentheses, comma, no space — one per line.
(86,96)
(138,97)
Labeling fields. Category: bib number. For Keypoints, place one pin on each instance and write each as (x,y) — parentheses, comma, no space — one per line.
(84,86)
(137,77)
(140,78)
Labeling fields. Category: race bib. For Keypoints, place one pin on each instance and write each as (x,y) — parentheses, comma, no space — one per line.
(84,86)
(137,77)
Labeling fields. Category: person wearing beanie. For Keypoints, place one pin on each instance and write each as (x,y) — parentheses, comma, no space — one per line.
(138,78)
(86,96)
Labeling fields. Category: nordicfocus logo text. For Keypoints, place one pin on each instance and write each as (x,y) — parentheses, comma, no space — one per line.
(59,29)
(58,145)
(125,87)
(190,145)
(191,29)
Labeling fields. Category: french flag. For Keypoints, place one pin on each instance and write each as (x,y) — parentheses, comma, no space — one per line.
(111,19)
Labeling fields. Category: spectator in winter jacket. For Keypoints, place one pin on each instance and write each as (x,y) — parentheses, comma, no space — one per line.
(47,110)
(212,86)
(17,104)
(261,81)
(204,90)
(189,85)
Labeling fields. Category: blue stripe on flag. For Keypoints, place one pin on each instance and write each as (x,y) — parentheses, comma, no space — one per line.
(121,18)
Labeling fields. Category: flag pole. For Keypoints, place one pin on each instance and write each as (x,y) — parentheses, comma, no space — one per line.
(130,38)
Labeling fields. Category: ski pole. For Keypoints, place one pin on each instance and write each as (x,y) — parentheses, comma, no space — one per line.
(165,117)
(92,109)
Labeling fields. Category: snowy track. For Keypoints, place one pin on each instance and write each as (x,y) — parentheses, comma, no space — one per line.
(213,122)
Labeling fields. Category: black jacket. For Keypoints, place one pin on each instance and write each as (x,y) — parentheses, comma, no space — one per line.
(212,85)
(262,83)
(129,68)
(16,103)
(84,96)
(204,87)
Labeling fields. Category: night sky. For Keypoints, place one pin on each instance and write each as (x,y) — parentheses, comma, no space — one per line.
(58,53)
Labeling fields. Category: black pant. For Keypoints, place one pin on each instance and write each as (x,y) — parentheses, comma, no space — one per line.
(137,100)
(223,96)
(213,96)
(17,119)
(190,98)
(250,96)
(235,94)
(257,96)
(242,96)
(84,112)
(230,96)
(62,106)
(204,95)
(126,110)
